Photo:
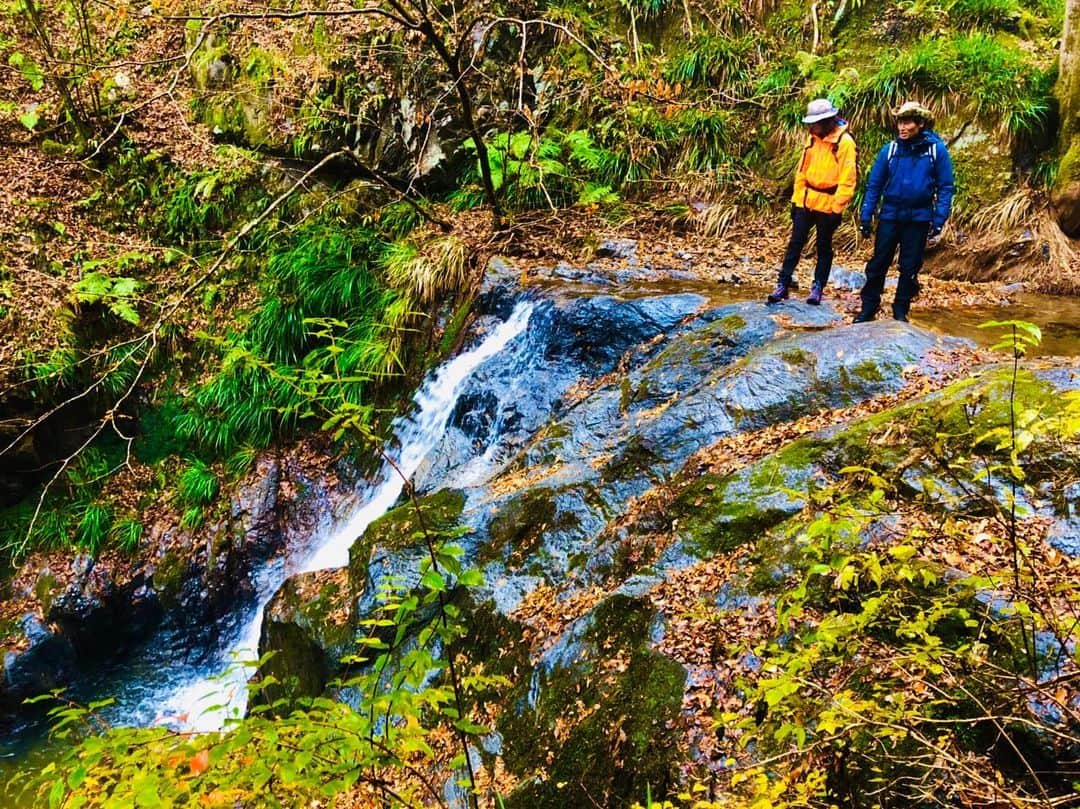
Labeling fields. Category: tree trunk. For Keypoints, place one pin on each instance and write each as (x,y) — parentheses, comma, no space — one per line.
(1065,195)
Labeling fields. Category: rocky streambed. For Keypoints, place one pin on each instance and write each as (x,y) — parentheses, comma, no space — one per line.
(626,457)
(643,454)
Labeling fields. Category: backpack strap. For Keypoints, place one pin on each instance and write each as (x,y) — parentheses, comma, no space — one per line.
(836,144)
(932,151)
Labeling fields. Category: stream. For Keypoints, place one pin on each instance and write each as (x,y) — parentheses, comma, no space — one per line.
(466,418)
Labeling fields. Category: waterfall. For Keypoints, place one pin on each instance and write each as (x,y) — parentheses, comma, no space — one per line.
(208,697)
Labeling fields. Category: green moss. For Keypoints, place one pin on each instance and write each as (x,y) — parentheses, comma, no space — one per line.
(775,470)
(718,514)
(797,356)
(626,742)
(732,324)
(403,527)
(44,589)
(400,527)
(517,531)
(629,394)
(868,371)
(1069,166)
(636,457)
(169,576)
(720,525)
(625,394)
(453,329)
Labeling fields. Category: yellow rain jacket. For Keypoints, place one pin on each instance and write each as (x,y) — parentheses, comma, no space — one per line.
(825,179)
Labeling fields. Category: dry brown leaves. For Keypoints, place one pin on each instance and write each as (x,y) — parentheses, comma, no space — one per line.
(548,610)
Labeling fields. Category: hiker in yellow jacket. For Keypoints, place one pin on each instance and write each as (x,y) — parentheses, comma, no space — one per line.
(824,185)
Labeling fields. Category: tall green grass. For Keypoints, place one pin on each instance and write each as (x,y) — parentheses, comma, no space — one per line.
(710,60)
(318,336)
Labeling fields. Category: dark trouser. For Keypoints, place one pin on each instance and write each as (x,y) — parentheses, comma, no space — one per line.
(910,237)
(802,220)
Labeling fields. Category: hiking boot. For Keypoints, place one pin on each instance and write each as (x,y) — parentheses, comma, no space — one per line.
(864,317)
(778,294)
(899,312)
(814,299)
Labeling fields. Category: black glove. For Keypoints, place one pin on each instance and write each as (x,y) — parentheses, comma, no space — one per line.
(866,229)
(934,232)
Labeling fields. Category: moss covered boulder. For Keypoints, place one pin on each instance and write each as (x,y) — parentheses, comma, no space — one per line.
(393,545)
(594,724)
(716,514)
(309,627)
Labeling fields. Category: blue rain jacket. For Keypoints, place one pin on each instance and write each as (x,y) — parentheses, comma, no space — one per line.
(914,184)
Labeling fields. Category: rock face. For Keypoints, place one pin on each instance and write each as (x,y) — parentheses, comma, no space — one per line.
(309,624)
(602,400)
(93,610)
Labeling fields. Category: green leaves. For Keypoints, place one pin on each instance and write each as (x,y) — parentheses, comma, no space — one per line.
(117,294)
(1019,335)
(30,72)
(198,484)
(29,118)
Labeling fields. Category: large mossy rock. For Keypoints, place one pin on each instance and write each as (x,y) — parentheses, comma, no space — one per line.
(309,626)
(630,393)
(584,732)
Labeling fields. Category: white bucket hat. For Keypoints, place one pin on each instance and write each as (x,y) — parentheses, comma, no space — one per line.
(818,110)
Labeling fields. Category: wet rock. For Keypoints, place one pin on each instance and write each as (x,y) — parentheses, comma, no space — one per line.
(255,508)
(309,626)
(1064,534)
(834,368)
(99,616)
(565,271)
(1064,379)
(597,331)
(41,661)
(841,278)
(617,248)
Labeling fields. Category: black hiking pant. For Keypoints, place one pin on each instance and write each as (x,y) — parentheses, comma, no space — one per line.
(910,237)
(803,220)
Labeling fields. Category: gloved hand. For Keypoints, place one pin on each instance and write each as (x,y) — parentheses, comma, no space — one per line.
(866,229)
(934,232)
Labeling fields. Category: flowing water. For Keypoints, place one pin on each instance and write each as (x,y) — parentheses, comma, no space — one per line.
(1057,316)
(219,690)
(199,689)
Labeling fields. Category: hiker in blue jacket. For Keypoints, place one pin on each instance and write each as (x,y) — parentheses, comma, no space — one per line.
(912,178)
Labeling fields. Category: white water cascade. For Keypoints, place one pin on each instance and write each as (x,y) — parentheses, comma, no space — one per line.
(205,701)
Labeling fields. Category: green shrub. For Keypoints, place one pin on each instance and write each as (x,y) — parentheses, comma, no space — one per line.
(93,527)
(126,534)
(991,14)
(326,272)
(198,484)
(710,60)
